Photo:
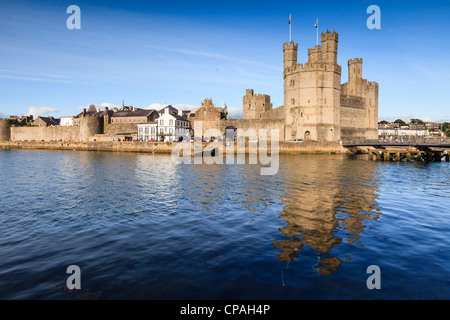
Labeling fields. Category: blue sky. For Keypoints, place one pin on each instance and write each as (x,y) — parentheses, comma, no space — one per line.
(150,53)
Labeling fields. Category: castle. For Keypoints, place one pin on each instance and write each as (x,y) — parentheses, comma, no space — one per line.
(316,105)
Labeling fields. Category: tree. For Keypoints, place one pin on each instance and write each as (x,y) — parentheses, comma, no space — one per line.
(11,122)
(401,122)
(383,122)
(417,121)
(445,127)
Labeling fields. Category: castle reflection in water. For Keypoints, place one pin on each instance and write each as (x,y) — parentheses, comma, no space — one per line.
(326,203)
(324,200)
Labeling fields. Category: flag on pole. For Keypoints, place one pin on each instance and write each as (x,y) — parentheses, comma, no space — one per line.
(317,31)
(290,27)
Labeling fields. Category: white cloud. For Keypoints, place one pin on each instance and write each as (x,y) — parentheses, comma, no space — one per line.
(159,106)
(156,106)
(235,113)
(36,112)
(185,106)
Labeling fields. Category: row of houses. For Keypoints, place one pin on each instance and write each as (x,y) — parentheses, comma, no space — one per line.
(127,122)
(411,131)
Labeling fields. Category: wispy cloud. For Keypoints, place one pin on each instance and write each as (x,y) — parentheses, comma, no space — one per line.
(18,75)
(40,111)
(215,56)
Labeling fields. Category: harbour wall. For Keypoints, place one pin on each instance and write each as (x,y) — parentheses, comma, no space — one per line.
(165,148)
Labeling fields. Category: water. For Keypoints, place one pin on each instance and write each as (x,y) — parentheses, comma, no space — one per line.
(142,227)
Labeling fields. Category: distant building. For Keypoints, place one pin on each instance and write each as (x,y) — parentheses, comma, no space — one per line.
(172,125)
(92,111)
(134,115)
(394,133)
(208,111)
(66,121)
(45,122)
(22,120)
(148,131)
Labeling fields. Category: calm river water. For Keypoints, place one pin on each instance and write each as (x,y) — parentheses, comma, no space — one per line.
(142,227)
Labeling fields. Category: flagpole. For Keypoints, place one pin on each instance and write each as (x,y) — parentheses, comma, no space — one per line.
(290,28)
(317,31)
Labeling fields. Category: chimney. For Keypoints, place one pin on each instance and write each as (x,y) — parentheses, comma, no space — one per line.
(180,112)
(166,110)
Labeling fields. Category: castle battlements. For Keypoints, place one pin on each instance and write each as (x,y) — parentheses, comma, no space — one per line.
(329,36)
(354,61)
(250,93)
(290,45)
(313,66)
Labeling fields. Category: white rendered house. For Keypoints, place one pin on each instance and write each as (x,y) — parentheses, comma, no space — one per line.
(172,126)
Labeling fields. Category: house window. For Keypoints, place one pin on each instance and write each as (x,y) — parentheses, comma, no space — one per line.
(170,122)
(161,122)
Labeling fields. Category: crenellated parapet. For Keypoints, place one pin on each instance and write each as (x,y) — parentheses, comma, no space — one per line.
(290,51)
(255,105)
(313,67)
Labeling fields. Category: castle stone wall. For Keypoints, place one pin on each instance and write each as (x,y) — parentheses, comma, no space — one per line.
(45,133)
(243,124)
(89,126)
(120,128)
(274,114)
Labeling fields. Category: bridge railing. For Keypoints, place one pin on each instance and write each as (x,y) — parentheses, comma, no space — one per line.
(397,141)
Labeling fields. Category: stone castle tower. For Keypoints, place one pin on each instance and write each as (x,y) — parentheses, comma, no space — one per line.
(255,104)
(359,95)
(90,125)
(5,131)
(317,106)
(312,91)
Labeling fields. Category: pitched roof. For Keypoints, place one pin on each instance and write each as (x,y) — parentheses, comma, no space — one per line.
(171,109)
(49,121)
(133,113)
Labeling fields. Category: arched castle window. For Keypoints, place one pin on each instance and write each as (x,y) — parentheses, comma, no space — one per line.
(292,101)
